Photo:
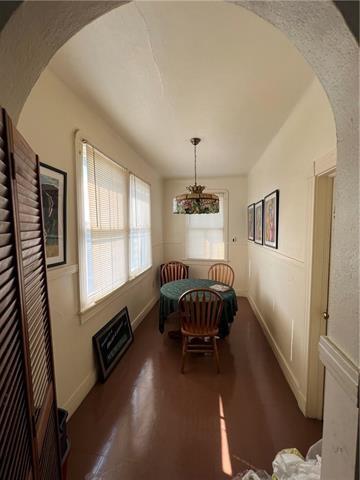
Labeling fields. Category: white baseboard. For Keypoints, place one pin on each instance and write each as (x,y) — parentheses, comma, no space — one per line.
(73,403)
(285,367)
(140,317)
(241,293)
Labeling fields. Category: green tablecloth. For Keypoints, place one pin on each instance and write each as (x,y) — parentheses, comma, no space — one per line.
(171,292)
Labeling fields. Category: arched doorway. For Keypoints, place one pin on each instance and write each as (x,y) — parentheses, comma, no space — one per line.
(34,33)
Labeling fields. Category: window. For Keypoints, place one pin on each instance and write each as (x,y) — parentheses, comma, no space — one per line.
(205,234)
(140,231)
(109,251)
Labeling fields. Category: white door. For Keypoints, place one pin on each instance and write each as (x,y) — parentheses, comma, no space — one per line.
(324,214)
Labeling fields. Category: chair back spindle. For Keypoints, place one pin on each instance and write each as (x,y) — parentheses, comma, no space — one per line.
(172,271)
(222,272)
(201,310)
(200,314)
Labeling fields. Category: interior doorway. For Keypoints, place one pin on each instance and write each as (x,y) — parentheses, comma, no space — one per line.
(323,224)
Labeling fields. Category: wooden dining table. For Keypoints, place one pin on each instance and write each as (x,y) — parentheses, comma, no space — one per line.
(169,301)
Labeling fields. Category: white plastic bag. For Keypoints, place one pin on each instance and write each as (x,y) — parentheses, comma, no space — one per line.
(314,451)
(252,475)
(289,464)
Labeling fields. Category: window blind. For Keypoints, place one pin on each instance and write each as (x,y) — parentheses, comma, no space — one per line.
(205,234)
(104,262)
(140,226)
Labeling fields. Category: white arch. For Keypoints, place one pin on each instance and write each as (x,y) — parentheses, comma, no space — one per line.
(36,30)
(31,37)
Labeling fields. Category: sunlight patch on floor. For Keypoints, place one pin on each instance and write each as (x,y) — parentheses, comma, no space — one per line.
(225,453)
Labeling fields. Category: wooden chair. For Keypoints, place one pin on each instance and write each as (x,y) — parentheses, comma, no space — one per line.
(222,272)
(172,271)
(200,313)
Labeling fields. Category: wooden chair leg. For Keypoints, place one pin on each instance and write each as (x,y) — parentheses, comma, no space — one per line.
(184,343)
(216,353)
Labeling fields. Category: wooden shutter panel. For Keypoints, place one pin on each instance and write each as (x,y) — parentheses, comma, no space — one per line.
(16,451)
(34,295)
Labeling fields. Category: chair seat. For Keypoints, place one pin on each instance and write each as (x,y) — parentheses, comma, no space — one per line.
(190,331)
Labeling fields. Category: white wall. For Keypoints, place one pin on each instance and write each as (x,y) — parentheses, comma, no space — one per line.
(48,121)
(278,289)
(175,226)
(274,280)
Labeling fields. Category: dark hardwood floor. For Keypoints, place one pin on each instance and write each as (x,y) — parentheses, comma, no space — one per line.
(150,422)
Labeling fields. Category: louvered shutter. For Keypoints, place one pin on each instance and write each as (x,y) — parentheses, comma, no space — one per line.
(16,452)
(32,271)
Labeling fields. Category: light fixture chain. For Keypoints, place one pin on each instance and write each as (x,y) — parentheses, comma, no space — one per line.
(195,163)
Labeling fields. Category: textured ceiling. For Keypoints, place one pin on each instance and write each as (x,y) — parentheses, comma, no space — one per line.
(162,72)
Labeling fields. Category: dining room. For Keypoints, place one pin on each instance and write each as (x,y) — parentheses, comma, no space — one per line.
(179,274)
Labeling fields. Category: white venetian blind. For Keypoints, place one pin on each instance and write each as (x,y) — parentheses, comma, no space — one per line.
(205,234)
(140,226)
(104,259)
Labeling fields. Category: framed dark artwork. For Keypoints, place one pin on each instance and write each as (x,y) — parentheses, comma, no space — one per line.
(251,221)
(53,194)
(271,219)
(259,208)
(112,341)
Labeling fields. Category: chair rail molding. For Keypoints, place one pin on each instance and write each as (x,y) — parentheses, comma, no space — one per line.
(58,272)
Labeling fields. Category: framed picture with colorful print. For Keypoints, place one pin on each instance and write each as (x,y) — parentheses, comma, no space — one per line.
(251,220)
(259,208)
(271,219)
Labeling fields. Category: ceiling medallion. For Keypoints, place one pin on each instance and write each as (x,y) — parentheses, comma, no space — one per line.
(196,201)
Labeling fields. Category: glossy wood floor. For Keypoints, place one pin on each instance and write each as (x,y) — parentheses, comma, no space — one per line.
(150,422)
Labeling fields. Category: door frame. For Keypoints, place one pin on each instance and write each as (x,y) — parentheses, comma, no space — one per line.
(319,271)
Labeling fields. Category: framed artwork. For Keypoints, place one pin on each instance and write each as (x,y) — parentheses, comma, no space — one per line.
(271,219)
(251,224)
(53,194)
(112,341)
(259,222)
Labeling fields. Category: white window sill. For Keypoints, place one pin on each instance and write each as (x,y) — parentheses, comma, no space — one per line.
(103,302)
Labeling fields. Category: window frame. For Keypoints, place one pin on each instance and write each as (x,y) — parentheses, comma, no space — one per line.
(132,277)
(90,310)
(225,193)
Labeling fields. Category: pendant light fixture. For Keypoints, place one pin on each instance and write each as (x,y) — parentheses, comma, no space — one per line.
(196,201)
